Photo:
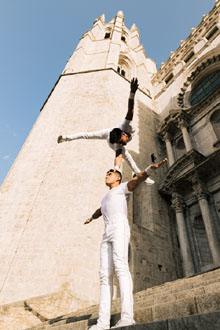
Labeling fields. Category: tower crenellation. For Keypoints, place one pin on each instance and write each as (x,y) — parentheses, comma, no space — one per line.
(113,45)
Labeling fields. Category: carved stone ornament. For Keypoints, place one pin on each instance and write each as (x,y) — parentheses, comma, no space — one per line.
(171,125)
(199,189)
(178,203)
(182,123)
(166,137)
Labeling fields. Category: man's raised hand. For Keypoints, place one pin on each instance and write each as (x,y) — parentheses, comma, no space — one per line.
(156,166)
(143,175)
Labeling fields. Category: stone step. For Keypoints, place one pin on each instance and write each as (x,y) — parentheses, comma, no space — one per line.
(208,321)
(149,299)
(183,284)
(198,294)
(80,325)
(172,291)
(157,299)
(201,304)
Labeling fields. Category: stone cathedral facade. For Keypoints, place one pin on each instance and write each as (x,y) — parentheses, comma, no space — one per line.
(51,189)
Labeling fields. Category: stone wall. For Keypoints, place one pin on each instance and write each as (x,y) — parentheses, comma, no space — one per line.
(52,188)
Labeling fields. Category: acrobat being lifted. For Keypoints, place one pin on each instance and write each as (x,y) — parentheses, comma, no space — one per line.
(118,137)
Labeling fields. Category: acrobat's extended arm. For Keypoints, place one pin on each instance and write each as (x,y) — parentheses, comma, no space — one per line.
(133,89)
(118,159)
(134,182)
(95,215)
(129,117)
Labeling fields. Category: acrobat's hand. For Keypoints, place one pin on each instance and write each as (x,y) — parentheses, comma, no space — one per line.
(156,166)
(87,221)
(134,85)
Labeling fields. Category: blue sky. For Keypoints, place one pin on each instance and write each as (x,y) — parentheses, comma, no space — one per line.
(38,37)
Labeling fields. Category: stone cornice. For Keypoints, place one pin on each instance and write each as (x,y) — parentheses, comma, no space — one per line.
(83,72)
(173,122)
(170,123)
(196,35)
(191,169)
(180,169)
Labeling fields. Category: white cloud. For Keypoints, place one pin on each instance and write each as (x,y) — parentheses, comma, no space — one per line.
(10,130)
(5,157)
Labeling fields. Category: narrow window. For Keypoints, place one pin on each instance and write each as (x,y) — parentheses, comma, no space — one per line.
(188,58)
(107,35)
(211,34)
(121,71)
(169,78)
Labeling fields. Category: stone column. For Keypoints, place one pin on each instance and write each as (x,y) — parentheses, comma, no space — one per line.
(177,204)
(186,137)
(211,232)
(169,149)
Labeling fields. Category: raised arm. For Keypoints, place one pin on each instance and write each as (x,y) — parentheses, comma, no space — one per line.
(95,215)
(133,89)
(118,159)
(134,182)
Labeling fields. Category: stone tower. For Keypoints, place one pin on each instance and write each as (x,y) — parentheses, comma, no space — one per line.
(51,188)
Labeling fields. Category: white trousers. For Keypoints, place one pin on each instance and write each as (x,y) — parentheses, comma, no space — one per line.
(103,135)
(114,254)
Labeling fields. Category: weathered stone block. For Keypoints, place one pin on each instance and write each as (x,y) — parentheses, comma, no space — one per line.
(80,325)
(210,321)
(142,315)
(208,302)
(159,325)
(178,308)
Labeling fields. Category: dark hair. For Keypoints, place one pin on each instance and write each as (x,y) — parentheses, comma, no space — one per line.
(111,170)
(115,135)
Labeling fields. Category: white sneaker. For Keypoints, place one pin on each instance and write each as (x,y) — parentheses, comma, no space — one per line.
(149,181)
(95,327)
(123,323)
(60,139)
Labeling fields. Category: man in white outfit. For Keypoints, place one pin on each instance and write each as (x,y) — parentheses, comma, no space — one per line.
(114,246)
(117,137)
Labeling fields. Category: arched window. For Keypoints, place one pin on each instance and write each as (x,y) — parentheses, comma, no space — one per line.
(121,71)
(107,33)
(215,121)
(124,66)
(123,38)
(205,87)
